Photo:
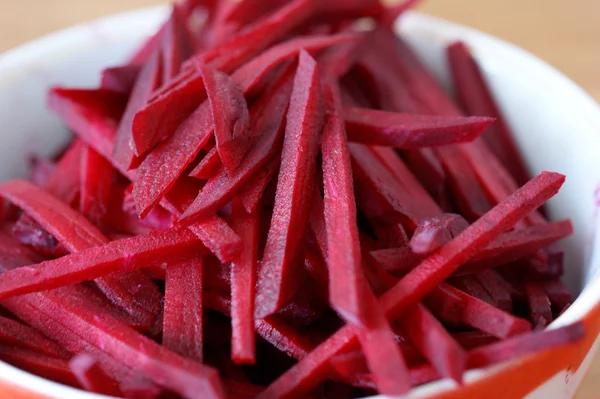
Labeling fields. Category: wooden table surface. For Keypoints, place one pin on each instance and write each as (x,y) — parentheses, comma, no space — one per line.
(566,34)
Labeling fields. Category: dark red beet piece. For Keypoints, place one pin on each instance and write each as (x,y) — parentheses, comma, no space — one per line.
(377,193)
(391,129)
(93,116)
(312,369)
(77,234)
(230,116)
(471,286)
(120,79)
(524,344)
(343,245)
(477,99)
(243,281)
(445,304)
(139,388)
(118,256)
(283,252)
(506,248)
(209,166)
(176,45)
(559,294)
(489,319)
(182,318)
(497,287)
(97,176)
(253,192)
(90,376)
(127,143)
(518,243)
(188,93)
(20,335)
(45,366)
(163,367)
(428,207)
(434,342)
(397,260)
(260,35)
(65,182)
(433,233)
(276,332)
(539,305)
(29,232)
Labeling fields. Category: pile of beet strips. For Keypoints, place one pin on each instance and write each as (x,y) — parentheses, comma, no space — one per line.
(274,198)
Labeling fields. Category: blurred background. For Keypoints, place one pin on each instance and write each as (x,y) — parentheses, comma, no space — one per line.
(564,33)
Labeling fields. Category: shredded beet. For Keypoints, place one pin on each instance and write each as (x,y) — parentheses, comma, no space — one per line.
(280,201)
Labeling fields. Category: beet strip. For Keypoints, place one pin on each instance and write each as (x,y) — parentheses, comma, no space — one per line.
(128,144)
(192,134)
(558,293)
(268,129)
(377,193)
(91,377)
(115,257)
(374,127)
(182,319)
(176,45)
(252,193)
(133,292)
(65,181)
(29,308)
(307,373)
(150,187)
(187,90)
(434,342)
(218,238)
(230,115)
(383,356)
(19,335)
(508,247)
(55,369)
(470,285)
(209,166)
(343,245)
(92,115)
(469,195)
(445,304)
(497,287)
(276,332)
(489,319)
(427,205)
(483,354)
(96,182)
(260,35)
(285,239)
(517,244)
(243,282)
(475,96)
(433,233)
(524,344)
(120,79)
(539,305)
(133,350)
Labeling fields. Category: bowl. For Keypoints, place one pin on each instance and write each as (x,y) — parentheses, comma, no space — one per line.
(556,123)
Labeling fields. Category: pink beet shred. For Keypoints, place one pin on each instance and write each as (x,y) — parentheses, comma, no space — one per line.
(272,199)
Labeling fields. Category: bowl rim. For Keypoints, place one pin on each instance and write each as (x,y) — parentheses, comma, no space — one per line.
(139,22)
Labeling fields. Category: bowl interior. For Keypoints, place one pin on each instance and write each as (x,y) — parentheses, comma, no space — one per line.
(557,124)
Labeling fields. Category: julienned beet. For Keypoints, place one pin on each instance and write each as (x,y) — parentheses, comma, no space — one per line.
(276,203)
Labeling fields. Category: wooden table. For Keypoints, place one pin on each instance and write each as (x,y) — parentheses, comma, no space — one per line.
(566,34)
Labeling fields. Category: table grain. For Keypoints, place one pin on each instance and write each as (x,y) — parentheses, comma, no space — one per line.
(564,33)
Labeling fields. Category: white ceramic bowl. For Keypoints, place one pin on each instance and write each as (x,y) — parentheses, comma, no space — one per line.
(557,126)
